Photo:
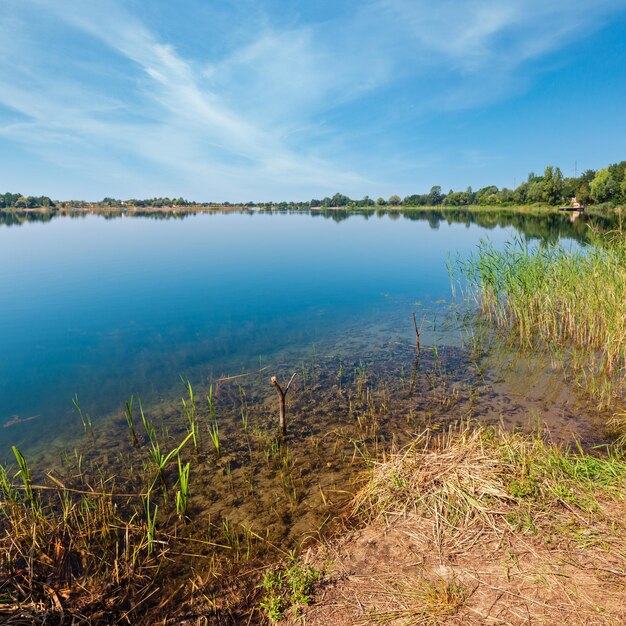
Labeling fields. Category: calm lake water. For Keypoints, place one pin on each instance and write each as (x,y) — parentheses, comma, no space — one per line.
(106,308)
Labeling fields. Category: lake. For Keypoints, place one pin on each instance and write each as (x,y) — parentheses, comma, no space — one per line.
(105,307)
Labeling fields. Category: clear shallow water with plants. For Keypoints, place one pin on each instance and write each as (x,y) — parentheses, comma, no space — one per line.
(105,308)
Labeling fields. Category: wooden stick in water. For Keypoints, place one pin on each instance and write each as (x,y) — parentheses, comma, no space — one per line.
(418,333)
(281,402)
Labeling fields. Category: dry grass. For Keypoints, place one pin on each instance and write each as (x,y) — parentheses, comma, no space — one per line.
(98,549)
(476,526)
(419,600)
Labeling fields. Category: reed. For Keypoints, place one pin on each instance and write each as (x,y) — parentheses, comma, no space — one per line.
(211,402)
(85,418)
(148,425)
(151,516)
(91,544)
(303,375)
(58,538)
(189,408)
(128,414)
(571,300)
(245,411)
(183,493)
(161,459)
(24,472)
(214,434)
(9,492)
(213,427)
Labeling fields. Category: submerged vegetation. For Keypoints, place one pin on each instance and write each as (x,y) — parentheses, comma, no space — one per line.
(200,519)
(170,531)
(156,521)
(571,301)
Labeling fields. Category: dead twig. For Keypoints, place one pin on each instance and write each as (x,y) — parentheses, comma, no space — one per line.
(281,403)
(418,333)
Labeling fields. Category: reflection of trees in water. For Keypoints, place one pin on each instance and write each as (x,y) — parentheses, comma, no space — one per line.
(550,226)
(17,218)
(547,227)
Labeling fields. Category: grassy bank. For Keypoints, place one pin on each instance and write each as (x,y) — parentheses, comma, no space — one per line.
(477,525)
(571,301)
(463,526)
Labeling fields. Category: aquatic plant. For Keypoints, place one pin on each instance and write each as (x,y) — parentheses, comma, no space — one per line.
(150,524)
(211,402)
(161,459)
(85,418)
(303,374)
(245,411)
(148,425)
(128,413)
(189,408)
(569,300)
(91,538)
(214,434)
(24,472)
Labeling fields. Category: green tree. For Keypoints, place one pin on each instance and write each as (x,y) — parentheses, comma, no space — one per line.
(414,200)
(394,200)
(604,187)
(340,200)
(535,192)
(460,198)
(553,185)
(487,195)
(583,193)
(435,196)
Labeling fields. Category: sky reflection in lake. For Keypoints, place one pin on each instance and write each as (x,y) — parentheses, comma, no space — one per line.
(109,307)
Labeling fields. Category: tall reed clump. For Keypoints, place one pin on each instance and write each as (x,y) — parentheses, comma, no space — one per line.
(571,300)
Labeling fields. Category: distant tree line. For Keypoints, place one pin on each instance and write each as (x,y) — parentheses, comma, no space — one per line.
(148,202)
(605,186)
(18,201)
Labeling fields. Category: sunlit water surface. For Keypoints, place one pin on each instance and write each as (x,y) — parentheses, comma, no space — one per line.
(106,308)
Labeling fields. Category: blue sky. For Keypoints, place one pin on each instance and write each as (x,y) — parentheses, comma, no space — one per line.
(255,99)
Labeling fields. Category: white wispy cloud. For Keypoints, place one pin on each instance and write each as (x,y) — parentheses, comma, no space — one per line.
(479,33)
(280,112)
(191,129)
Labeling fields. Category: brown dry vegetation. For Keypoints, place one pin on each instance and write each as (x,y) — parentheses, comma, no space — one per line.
(479,527)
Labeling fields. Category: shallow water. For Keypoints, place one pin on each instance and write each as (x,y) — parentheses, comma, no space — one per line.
(105,308)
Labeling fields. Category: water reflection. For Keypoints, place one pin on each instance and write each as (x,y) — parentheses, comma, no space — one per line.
(549,226)
(114,304)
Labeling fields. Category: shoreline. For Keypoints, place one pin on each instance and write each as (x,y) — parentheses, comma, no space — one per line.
(221,208)
(435,527)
